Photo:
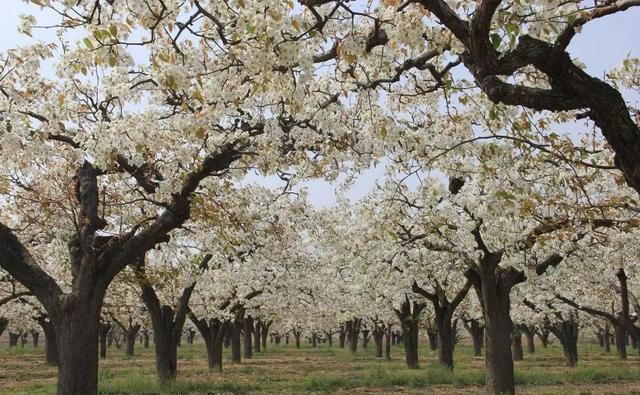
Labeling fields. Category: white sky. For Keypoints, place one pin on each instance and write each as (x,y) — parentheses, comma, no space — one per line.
(601,45)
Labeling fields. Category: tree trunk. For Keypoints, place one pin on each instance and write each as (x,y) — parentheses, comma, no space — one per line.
(531,344)
(165,338)
(599,337)
(296,336)
(35,335)
(236,354)
(410,336)
(516,345)
(265,334)
(493,285)
(256,333)
(329,338)
(3,325)
(387,349)
(145,336)
(76,333)
(567,332)
(621,345)
(213,332)
(476,331)
(352,327)
(445,338)
(342,335)
(544,337)
(50,347)
(105,329)
(314,340)
(248,336)
(365,338)
(378,335)
(606,337)
(131,341)
(432,335)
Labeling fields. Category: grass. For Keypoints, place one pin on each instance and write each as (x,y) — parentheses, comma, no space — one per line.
(323,370)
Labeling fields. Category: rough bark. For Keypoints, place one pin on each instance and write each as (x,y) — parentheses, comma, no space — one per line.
(257,337)
(50,346)
(516,345)
(213,331)
(105,329)
(365,338)
(265,325)
(352,327)
(378,335)
(409,316)
(248,336)
(544,337)
(236,348)
(530,333)
(432,336)
(566,330)
(493,285)
(475,328)
(444,310)
(387,348)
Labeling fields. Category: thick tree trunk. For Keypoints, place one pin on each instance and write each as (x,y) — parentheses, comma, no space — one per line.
(13,339)
(378,335)
(35,336)
(621,344)
(432,335)
(145,336)
(76,334)
(236,352)
(599,337)
(516,345)
(329,338)
(387,349)
(265,333)
(314,340)
(105,330)
(544,337)
(352,327)
(213,332)
(296,336)
(342,335)
(365,338)
(50,347)
(531,344)
(256,334)
(476,331)
(445,340)
(567,332)
(165,338)
(493,285)
(3,325)
(248,336)
(410,336)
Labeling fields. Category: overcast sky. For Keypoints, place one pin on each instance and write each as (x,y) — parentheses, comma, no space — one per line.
(601,45)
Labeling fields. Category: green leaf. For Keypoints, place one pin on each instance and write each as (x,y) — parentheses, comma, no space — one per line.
(87,41)
(113,29)
(496,40)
